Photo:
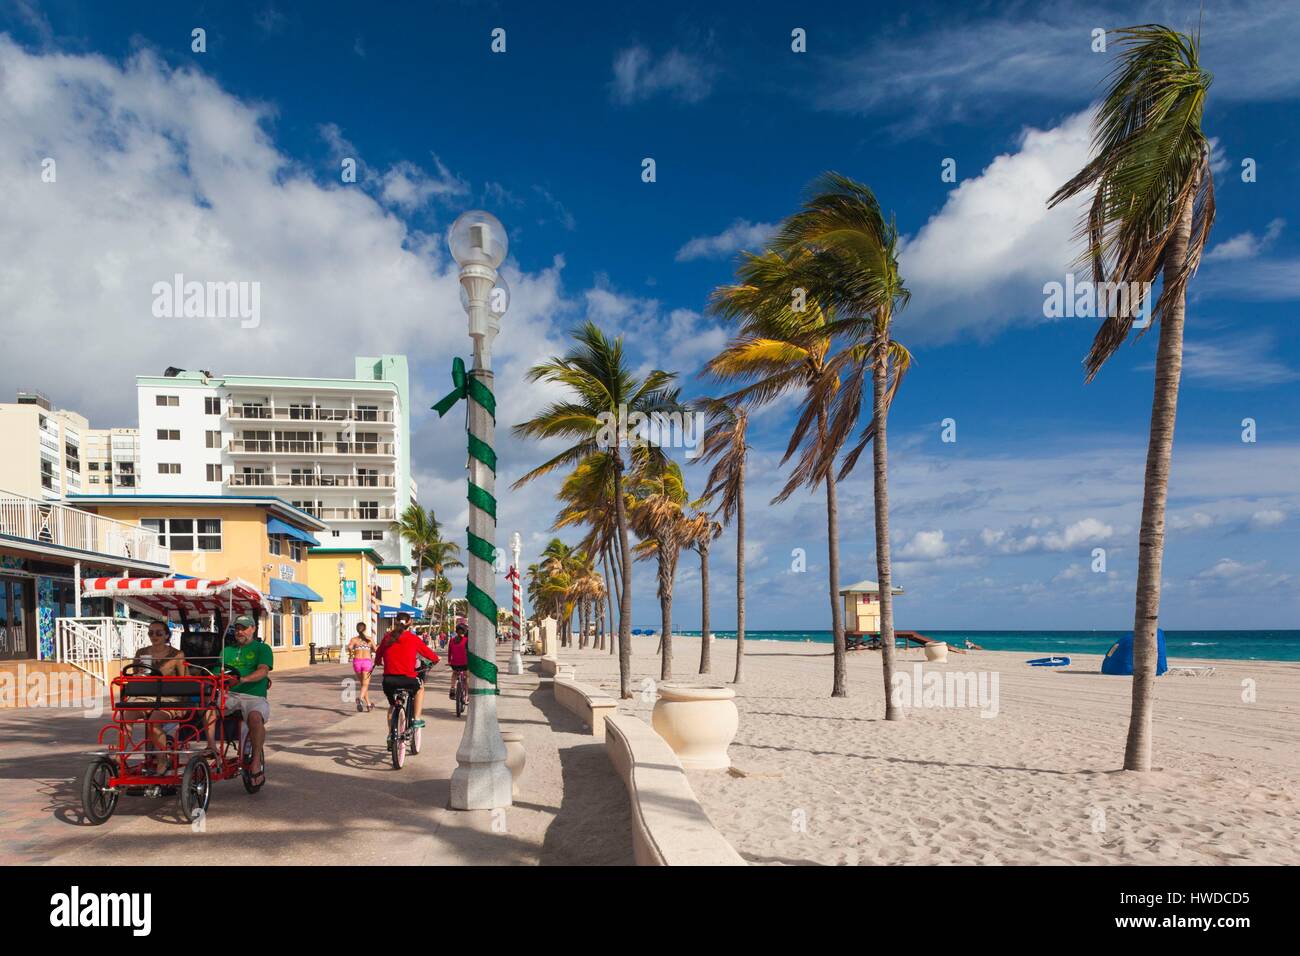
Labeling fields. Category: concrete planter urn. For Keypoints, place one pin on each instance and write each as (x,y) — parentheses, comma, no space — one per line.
(698,723)
(937,652)
(515,757)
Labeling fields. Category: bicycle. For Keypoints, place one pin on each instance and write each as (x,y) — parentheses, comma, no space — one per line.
(461,678)
(401,723)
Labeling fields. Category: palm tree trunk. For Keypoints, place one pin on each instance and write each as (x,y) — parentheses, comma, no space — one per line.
(840,686)
(625,595)
(740,575)
(706,664)
(884,572)
(1155,492)
(609,597)
(666,574)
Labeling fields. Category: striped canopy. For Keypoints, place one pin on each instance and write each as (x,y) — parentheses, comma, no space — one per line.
(161,597)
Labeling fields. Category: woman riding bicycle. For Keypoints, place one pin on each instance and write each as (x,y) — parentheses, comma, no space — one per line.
(458,656)
(397,654)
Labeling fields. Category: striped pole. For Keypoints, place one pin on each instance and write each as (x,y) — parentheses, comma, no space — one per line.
(481,780)
(516,657)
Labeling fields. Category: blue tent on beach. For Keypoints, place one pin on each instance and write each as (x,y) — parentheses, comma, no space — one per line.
(1119,659)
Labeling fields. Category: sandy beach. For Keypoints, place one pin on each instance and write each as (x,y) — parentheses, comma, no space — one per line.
(828,781)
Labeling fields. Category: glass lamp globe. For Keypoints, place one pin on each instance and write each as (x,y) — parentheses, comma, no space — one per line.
(498,299)
(478,238)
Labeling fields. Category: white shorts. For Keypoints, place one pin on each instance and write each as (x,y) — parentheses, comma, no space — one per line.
(246,704)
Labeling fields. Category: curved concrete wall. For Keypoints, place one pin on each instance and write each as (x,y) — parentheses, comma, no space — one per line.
(669,827)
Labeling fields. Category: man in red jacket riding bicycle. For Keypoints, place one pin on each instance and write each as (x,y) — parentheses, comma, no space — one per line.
(398,653)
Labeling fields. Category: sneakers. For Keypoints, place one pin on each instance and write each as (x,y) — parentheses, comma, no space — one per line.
(417,723)
(390,744)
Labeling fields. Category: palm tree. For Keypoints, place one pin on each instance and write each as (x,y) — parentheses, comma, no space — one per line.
(1151,213)
(848,259)
(658,519)
(603,392)
(418,528)
(699,533)
(784,343)
(724,445)
(439,557)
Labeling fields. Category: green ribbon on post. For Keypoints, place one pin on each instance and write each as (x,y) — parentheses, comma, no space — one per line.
(472,389)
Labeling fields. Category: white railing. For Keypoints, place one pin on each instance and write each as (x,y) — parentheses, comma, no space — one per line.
(56,524)
(261,480)
(91,643)
(325,630)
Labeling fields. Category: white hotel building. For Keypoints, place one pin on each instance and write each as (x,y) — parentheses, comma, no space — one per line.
(339,449)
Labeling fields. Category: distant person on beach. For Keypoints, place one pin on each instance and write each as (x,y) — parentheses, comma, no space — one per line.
(361,651)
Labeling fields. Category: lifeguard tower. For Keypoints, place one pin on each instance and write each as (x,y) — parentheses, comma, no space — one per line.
(862,618)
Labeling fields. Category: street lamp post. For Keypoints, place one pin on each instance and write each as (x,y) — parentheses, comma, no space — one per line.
(481,780)
(516,600)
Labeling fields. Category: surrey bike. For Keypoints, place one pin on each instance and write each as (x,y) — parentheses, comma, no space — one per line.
(186,767)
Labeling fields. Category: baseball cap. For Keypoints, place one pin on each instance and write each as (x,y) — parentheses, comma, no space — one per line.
(245,621)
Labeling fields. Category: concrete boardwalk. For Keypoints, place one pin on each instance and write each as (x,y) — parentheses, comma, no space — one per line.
(332,796)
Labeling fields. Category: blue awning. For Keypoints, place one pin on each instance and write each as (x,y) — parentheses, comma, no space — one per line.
(276,526)
(293,590)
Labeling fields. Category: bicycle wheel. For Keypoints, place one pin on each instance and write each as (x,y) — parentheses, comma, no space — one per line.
(196,789)
(398,734)
(462,698)
(97,801)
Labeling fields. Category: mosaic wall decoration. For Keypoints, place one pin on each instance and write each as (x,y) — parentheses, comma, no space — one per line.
(45,617)
(10,563)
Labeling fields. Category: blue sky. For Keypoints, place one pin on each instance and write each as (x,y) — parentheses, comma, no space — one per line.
(225,164)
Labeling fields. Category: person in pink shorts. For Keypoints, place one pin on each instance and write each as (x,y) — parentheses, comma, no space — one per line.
(361,650)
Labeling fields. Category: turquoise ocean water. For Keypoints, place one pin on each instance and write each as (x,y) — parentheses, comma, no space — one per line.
(1216,645)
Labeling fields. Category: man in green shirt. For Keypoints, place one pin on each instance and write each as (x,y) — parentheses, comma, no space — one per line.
(254,660)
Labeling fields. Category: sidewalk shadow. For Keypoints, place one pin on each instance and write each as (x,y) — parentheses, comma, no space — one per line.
(592,792)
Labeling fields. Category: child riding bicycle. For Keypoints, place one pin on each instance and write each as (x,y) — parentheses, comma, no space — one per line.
(458,656)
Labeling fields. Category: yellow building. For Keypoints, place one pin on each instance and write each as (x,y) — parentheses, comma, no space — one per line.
(347,579)
(263,540)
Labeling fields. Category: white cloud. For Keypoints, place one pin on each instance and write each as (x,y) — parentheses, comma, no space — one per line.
(639,76)
(741,234)
(980,263)
(924,546)
(1238,362)
(409,187)
(1246,245)
(1268,518)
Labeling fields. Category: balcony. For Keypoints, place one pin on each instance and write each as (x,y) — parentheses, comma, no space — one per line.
(237,480)
(59,525)
(350,514)
(263,446)
(266,413)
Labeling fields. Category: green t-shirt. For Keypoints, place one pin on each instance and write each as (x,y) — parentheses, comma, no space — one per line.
(247,659)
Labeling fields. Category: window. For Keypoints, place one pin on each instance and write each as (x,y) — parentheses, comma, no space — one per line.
(370,535)
(277,630)
(213,438)
(169,434)
(94,466)
(186,534)
(169,468)
(295,549)
(297,630)
(214,472)
(212,405)
(170,401)
(277,544)
(209,534)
